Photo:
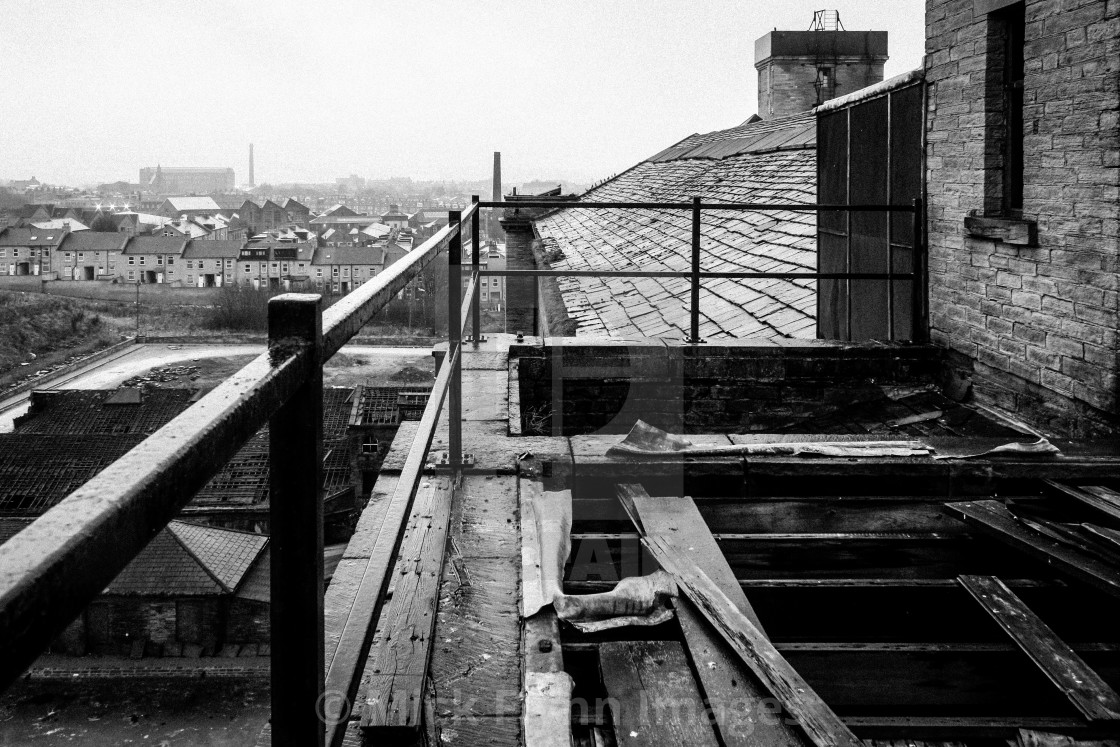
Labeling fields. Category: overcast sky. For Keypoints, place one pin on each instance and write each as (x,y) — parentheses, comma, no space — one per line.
(429,89)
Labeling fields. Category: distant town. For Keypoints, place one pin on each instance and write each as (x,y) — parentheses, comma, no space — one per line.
(190,227)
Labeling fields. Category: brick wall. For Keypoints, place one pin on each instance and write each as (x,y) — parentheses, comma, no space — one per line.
(738,387)
(1034,326)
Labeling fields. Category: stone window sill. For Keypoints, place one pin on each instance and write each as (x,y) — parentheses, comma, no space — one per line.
(1017,231)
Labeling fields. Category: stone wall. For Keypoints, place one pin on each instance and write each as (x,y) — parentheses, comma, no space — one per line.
(570,387)
(787,86)
(1034,326)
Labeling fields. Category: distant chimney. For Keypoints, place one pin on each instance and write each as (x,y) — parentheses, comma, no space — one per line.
(252,177)
(798,70)
(497,176)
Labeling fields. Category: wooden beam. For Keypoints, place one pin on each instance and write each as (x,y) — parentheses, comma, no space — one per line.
(1101,500)
(726,680)
(1068,671)
(398,663)
(993,518)
(652,695)
(547,688)
(823,727)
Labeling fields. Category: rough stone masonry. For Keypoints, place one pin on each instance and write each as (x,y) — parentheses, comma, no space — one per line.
(1035,325)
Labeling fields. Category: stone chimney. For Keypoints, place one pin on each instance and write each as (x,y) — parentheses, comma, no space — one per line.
(798,70)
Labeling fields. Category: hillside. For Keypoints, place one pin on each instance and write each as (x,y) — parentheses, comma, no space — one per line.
(36,329)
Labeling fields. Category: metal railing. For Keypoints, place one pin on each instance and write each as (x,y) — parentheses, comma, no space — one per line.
(695,275)
(54,568)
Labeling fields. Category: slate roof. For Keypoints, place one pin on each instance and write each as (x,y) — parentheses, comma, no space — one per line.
(30,237)
(348,255)
(206,249)
(765,161)
(93,241)
(190,560)
(156,245)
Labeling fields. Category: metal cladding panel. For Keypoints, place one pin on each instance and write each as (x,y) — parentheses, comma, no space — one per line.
(868,166)
(832,297)
(906,158)
(832,168)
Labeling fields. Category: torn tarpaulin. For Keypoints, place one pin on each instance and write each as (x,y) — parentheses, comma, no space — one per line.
(639,600)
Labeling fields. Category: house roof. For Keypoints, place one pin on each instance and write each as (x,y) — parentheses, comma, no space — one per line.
(377,230)
(60,223)
(93,241)
(203,202)
(205,249)
(290,203)
(31,237)
(155,245)
(347,255)
(228,201)
(765,161)
(190,560)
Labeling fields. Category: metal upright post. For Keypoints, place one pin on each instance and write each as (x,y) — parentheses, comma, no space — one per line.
(476,302)
(694,337)
(296,517)
(454,343)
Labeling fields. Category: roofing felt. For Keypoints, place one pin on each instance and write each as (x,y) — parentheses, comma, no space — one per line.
(766,161)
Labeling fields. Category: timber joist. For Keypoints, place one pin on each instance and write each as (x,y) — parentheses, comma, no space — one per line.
(903,615)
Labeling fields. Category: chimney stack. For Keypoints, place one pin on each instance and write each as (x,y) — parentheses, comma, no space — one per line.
(798,70)
(497,176)
(252,178)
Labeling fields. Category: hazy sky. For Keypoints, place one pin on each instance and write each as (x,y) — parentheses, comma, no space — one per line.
(568,90)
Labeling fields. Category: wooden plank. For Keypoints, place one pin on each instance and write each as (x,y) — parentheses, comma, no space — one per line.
(653,696)
(993,518)
(1061,665)
(1098,499)
(730,687)
(546,687)
(823,727)
(1110,536)
(396,671)
(1034,738)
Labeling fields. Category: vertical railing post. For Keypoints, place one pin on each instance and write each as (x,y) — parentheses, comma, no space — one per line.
(476,302)
(454,331)
(694,310)
(296,516)
(919,322)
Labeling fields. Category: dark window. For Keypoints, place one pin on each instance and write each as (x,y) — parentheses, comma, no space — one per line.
(1004,151)
(1014,23)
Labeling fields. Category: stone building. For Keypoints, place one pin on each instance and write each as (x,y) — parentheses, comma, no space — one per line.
(1023,145)
(798,70)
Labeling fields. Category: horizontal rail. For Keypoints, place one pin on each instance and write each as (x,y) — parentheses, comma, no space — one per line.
(757,206)
(343,320)
(687,274)
(55,567)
